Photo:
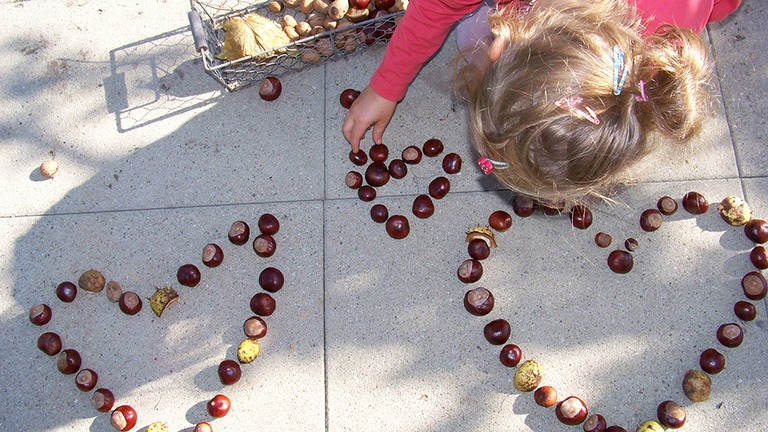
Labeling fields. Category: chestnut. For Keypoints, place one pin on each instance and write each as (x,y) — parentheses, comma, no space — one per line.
(571,411)
(697,385)
(255,327)
(545,396)
(114,291)
(130,303)
(366,193)
(620,261)
(650,220)
(581,217)
(423,207)
(497,331)
(264,245)
(379,213)
(270,88)
(212,255)
(711,361)
(670,414)
(69,362)
(439,187)
(631,244)
(528,376)
(411,155)
(759,258)
(523,205)
(470,271)
(66,292)
(238,233)
(377,174)
(379,152)
(756,230)
(730,335)
(40,314)
(49,343)
(398,227)
(86,379)
(271,279)
(666,205)
(603,239)
(478,301)
(268,224)
(229,372)
(615,429)
(218,406)
(478,249)
(595,423)
(347,97)
(695,203)
(188,275)
(103,400)
(500,220)
(510,355)
(358,158)
(754,285)
(650,426)
(452,163)
(432,147)
(398,169)
(353,179)
(746,311)
(92,281)
(552,209)
(123,418)
(263,304)
(203,427)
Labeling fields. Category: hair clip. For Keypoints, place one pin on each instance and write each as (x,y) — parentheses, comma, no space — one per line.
(619,68)
(642,97)
(576,105)
(487,165)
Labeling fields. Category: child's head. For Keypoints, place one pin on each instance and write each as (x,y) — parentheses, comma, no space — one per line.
(532,108)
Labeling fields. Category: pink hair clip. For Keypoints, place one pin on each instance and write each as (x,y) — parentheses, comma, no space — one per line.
(642,97)
(576,105)
(487,165)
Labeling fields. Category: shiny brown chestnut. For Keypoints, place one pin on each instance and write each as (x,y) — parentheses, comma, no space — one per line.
(571,411)
(239,232)
(66,292)
(379,213)
(730,335)
(213,255)
(439,187)
(398,169)
(603,239)
(218,406)
(620,261)
(49,343)
(188,275)
(358,158)
(615,429)
(581,217)
(229,372)
(478,249)
(40,314)
(712,361)
(423,207)
(203,427)
(595,423)
(348,97)
(452,163)
(123,418)
(510,355)
(478,301)
(671,415)
(411,155)
(129,303)
(754,285)
(69,361)
(497,331)
(432,147)
(353,180)
(695,203)
(666,205)
(745,311)
(268,224)
(398,227)
(756,230)
(759,258)
(470,271)
(86,379)
(378,152)
(545,396)
(264,245)
(631,244)
(103,400)
(523,205)
(500,220)
(255,327)
(366,193)
(270,88)
(377,174)
(271,279)
(263,304)
(651,220)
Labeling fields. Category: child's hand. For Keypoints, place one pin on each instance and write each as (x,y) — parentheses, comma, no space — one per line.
(369,109)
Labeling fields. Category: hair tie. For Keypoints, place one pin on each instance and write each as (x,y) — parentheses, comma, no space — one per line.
(619,69)
(487,165)
(576,105)
(642,97)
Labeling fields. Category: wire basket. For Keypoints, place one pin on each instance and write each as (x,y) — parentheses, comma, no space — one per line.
(323,44)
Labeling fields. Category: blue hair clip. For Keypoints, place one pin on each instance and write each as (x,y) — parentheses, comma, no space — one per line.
(619,69)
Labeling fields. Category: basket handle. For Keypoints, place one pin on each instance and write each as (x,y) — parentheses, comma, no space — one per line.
(196,25)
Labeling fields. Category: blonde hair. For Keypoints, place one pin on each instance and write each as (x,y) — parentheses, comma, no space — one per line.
(568,51)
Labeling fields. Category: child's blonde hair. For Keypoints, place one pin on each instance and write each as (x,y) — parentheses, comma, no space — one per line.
(567,51)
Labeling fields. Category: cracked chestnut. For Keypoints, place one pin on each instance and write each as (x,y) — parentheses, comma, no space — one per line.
(129,303)
(745,311)
(756,230)
(69,362)
(571,411)
(478,301)
(377,174)
(40,314)
(695,203)
(581,217)
(470,271)
(439,187)
(500,220)
(620,261)
(398,227)
(651,220)
(123,418)
(545,396)
(255,327)
(432,147)
(103,400)
(378,152)
(754,285)
(86,379)
(263,304)
(730,335)
(452,163)
(398,169)
(523,205)
(670,414)
(49,343)
(711,361)
(497,331)
(510,355)
(353,179)
(188,275)
(229,372)
(271,279)
(239,232)
(213,255)
(358,158)
(268,224)
(366,193)
(379,213)
(411,155)
(264,245)
(666,205)
(66,292)
(218,406)
(423,207)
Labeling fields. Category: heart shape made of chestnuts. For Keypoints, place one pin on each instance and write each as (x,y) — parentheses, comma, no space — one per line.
(124,417)
(696,384)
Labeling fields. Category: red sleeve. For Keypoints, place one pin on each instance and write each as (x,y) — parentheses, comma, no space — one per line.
(424,27)
(723,8)
(691,14)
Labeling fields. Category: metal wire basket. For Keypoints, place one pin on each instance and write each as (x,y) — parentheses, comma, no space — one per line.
(206,18)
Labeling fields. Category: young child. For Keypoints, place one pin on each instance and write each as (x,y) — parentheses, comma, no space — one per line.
(561,94)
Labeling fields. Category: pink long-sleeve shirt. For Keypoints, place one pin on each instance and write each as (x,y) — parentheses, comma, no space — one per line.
(427,23)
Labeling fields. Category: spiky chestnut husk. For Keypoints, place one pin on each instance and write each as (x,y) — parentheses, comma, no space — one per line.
(248,350)
(482,232)
(528,376)
(735,211)
(157,427)
(162,298)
